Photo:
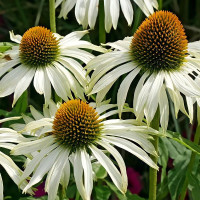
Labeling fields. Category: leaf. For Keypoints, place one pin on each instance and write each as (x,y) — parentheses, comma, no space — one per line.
(32,198)
(187,143)
(163,190)
(71,191)
(102,192)
(177,175)
(194,187)
(116,191)
(21,104)
(131,196)
(4,46)
(99,171)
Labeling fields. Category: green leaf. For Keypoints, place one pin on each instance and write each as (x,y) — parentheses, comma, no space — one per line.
(163,190)
(177,175)
(116,191)
(99,171)
(32,198)
(194,186)
(71,191)
(4,46)
(22,104)
(131,196)
(187,143)
(102,192)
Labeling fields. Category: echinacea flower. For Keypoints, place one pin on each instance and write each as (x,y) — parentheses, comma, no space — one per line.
(76,132)
(47,59)
(86,11)
(160,55)
(8,139)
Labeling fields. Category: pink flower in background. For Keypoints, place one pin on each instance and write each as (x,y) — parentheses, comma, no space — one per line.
(134,181)
(40,190)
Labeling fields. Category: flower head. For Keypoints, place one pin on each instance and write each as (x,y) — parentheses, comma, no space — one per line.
(75,132)
(49,59)
(86,11)
(160,54)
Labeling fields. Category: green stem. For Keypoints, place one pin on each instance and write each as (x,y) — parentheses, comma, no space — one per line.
(102,32)
(160,3)
(192,158)
(77,195)
(52,15)
(152,171)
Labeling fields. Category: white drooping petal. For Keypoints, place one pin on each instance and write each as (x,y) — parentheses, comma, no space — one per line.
(114,12)
(66,7)
(23,84)
(108,19)
(37,115)
(66,174)
(124,87)
(127,10)
(9,119)
(87,168)
(164,108)
(132,148)
(78,175)
(54,175)
(92,13)
(80,10)
(15,38)
(119,160)
(109,166)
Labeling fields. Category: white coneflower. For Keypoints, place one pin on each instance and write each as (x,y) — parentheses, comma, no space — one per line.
(49,59)
(160,53)
(73,133)
(86,11)
(8,139)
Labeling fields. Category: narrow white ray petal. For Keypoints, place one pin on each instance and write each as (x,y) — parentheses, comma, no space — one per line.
(37,115)
(113,75)
(36,160)
(122,45)
(132,148)
(39,80)
(32,126)
(58,82)
(12,137)
(143,95)
(23,84)
(7,145)
(29,147)
(66,7)
(80,9)
(104,108)
(73,37)
(119,121)
(52,108)
(9,119)
(87,168)
(27,119)
(4,67)
(119,160)
(149,5)
(1,188)
(138,89)
(190,106)
(106,65)
(54,175)
(164,108)
(155,4)
(12,169)
(10,80)
(66,174)
(139,138)
(101,94)
(76,69)
(17,126)
(109,166)
(142,7)
(92,13)
(152,101)
(15,38)
(57,3)
(108,19)
(77,53)
(78,175)
(114,11)
(127,10)
(44,166)
(124,87)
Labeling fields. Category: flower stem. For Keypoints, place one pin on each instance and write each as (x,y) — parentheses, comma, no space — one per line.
(52,15)
(160,2)
(152,171)
(192,158)
(102,32)
(62,193)
(77,195)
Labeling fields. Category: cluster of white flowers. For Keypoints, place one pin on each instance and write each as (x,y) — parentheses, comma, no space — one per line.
(78,132)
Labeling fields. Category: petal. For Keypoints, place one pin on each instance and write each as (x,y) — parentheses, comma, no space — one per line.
(15,38)
(127,9)
(1,187)
(92,13)
(80,10)
(114,11)
(108,19)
